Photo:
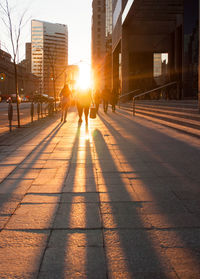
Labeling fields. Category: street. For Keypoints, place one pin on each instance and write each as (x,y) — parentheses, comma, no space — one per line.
(119,199)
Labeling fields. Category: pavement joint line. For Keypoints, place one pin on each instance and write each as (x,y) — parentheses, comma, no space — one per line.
(105,229)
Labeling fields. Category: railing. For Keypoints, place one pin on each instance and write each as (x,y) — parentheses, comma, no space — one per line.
(125,95)
(148,92)
(153,90)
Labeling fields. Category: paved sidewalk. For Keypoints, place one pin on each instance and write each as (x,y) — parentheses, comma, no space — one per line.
(120,199)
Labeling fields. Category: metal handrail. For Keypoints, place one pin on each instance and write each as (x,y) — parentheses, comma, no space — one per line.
(124,95)
(127,94)
(153,90)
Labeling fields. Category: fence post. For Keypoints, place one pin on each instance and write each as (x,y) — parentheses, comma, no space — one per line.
(10,115)
(41,109)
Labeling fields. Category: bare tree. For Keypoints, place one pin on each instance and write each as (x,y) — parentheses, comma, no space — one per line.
(56,71)
(14,32)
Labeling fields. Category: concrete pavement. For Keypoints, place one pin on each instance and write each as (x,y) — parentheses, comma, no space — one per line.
(120,199)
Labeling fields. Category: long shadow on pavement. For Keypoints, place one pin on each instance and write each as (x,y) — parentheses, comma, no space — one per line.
(75,246)
(130,248)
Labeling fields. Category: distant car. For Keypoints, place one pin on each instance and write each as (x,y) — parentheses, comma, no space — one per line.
(14,99)
(25,99)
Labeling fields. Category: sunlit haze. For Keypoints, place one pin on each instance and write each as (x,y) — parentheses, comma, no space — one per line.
(84,76)
(75,14)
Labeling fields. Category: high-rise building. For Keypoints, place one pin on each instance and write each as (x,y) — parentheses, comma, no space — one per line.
(26,63)
(98,42)
(28,56)
(49,55)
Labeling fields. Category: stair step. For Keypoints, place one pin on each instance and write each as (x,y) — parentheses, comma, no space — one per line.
(179,104)
(169,118)
(185,118)
(191,111)
(181,128)
(184,107)
(180,114)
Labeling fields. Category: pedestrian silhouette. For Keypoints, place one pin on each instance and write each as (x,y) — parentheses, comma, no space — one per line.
(83,102)
(65,96)
(105,97)
(97,99)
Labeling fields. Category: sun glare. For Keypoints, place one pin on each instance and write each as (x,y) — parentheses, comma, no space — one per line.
(84,80)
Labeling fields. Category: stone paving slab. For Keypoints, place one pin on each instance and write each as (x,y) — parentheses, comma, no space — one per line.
(168,221)
(80,197)
(30,216)
(50,188)
(78,262)
(20,262)
(41,198)
(23,238)
(79,238)
(78,215)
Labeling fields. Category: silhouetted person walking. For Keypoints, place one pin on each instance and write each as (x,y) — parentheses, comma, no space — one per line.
(113,99)
(105,97)
(83,102)
(97,99)
(65,95)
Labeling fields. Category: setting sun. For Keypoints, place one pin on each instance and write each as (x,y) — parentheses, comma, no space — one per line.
(84,80)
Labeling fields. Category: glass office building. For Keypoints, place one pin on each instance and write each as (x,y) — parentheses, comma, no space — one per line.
(49,55)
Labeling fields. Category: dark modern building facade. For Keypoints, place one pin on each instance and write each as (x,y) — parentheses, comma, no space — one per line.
(156,42)
(28,84)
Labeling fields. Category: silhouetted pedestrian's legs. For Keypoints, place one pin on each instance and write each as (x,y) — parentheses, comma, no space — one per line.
(64,110)
(80,112)
(105,105)
(86,112)
(65,113)
(113,107)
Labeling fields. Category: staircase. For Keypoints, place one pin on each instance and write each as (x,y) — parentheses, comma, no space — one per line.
(181,115)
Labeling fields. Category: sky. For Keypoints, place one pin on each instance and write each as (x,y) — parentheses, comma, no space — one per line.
(76,14)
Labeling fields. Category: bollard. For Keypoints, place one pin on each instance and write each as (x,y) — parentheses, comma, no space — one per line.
(38,110)
(10,114)
(41,110)
(32,111)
